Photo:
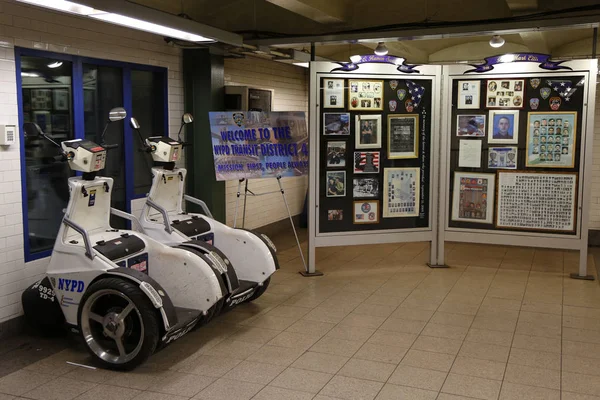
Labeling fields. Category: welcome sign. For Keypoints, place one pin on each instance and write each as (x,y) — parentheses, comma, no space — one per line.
(259,144)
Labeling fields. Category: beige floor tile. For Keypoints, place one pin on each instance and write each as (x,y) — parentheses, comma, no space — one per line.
(532,376)
(388,338)
(446,396)
(288,312)
(181,384)
(97,375)
(494,323)
(590,366)
(489,337)
(275,393)
(581,335)
(578,396)
(581,322)
(437,345)
(479,368)
(428,360)
(531,358)
(540,319)
(108,392)
(158,396)
(276,355)
(412,313)
(209,366)
(250,371)
(445,331)
(320,362)
(542,307)
(472,386)
(7,397)
(140,378)
(418,378)
(228,389)
(485,351)
(365,369)
(389,301)
(326,314)
(362,321)
(301,380)
(311,328)
(513,391)
(381,353)
(579,383)
(293,340)
(533,329)
(270,322)
(446,318)
(500,304)
(339,347)
(459,308)
(59,388)
(350,333)
(376,310)
(233,349)
(537,343)
(580,349)
(254,335)
(22,381)
(346,388)
(403,325)
(395,392)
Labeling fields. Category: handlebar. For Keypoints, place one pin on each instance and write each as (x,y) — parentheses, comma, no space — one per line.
(110,146)
(186,144)
(60,157)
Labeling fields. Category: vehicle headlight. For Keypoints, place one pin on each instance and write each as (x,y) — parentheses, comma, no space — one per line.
(269,242)
(217,261)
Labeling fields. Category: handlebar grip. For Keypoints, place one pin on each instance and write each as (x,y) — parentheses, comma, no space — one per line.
(186,144)
(110,146)
(60,157)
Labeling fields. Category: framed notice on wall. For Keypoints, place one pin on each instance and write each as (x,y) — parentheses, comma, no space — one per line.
(401,192)
(505,93)
(333,93)
(365,95)
(537,201)
(403,133)
(473,199)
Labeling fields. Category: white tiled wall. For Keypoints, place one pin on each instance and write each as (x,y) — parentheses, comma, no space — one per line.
(32,27)
(595,201)
(290,85)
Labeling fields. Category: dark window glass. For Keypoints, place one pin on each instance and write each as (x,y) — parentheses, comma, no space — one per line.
(148,102)
(47,102)
(102,91)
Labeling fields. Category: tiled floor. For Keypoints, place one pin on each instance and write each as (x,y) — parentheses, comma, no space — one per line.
(501,324)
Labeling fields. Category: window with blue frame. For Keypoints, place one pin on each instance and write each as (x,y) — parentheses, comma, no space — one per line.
(69,97)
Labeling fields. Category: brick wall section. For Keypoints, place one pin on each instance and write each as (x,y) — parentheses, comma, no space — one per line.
(290,85)
(36,28)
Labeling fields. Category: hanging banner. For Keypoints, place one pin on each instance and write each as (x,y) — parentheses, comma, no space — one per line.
(259,144)
(355,61)
(542,59)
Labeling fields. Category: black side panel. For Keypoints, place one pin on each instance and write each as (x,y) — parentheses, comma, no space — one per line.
(266,243)
(168,307)
(42,308)
(121,247)
(191,227)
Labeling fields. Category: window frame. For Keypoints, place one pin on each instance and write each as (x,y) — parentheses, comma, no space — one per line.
(79,123)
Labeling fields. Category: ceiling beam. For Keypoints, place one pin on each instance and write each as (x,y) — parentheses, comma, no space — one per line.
(522,5)
(324,12)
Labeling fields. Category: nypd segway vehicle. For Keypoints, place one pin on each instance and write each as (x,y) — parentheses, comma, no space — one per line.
(253,255)
(125,292)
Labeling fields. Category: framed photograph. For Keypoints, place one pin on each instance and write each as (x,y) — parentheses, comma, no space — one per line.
(366,162)
(366,212)
(61,99)
(336,124)
(537,201)
(502,157)
(473,197)
(336,154)
(365,188)
(365,95)
(336,183)
(335,215)
(505,93)
(468,94)
(41,99)
(401,187)
(551,139)
(368,131)
(333,93)
(470,125)
(403,136)
(503,127)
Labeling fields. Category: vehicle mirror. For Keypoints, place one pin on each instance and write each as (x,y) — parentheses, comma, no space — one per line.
(187,118)
(117,114)
(134,123)
(31,129)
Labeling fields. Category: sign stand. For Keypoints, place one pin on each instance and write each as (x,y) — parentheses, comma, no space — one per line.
(248,192)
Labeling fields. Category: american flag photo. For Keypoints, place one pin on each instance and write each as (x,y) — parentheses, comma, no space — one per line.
(416,92)
(366,162)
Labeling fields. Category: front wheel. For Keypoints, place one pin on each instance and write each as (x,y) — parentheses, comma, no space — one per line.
(260,291)
(118,323)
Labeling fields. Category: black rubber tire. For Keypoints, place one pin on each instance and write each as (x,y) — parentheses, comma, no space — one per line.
(149,314)
(260,291)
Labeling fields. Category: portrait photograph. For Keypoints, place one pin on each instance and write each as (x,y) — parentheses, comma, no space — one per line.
(551,139)
(336,154)
(403,136)
(503,127)
(502,157)
(470,125)
(336,123)
(506,93)
(365,188)
(366,212)
(368,131)
(336,183)
(335,215)
(365,95)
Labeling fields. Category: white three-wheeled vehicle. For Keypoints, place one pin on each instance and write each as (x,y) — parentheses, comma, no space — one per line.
(124,291)
(253,255)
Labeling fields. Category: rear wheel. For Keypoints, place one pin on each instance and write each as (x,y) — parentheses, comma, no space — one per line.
(118,323)
(260,291)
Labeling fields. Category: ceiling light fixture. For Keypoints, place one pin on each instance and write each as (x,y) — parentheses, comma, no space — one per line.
(497,41)
(141,18)
(381,49)
(29,75)
(355,59)
(55,64)
(301,64)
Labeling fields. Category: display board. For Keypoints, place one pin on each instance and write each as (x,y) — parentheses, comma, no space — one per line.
(529,123)
(375,151)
